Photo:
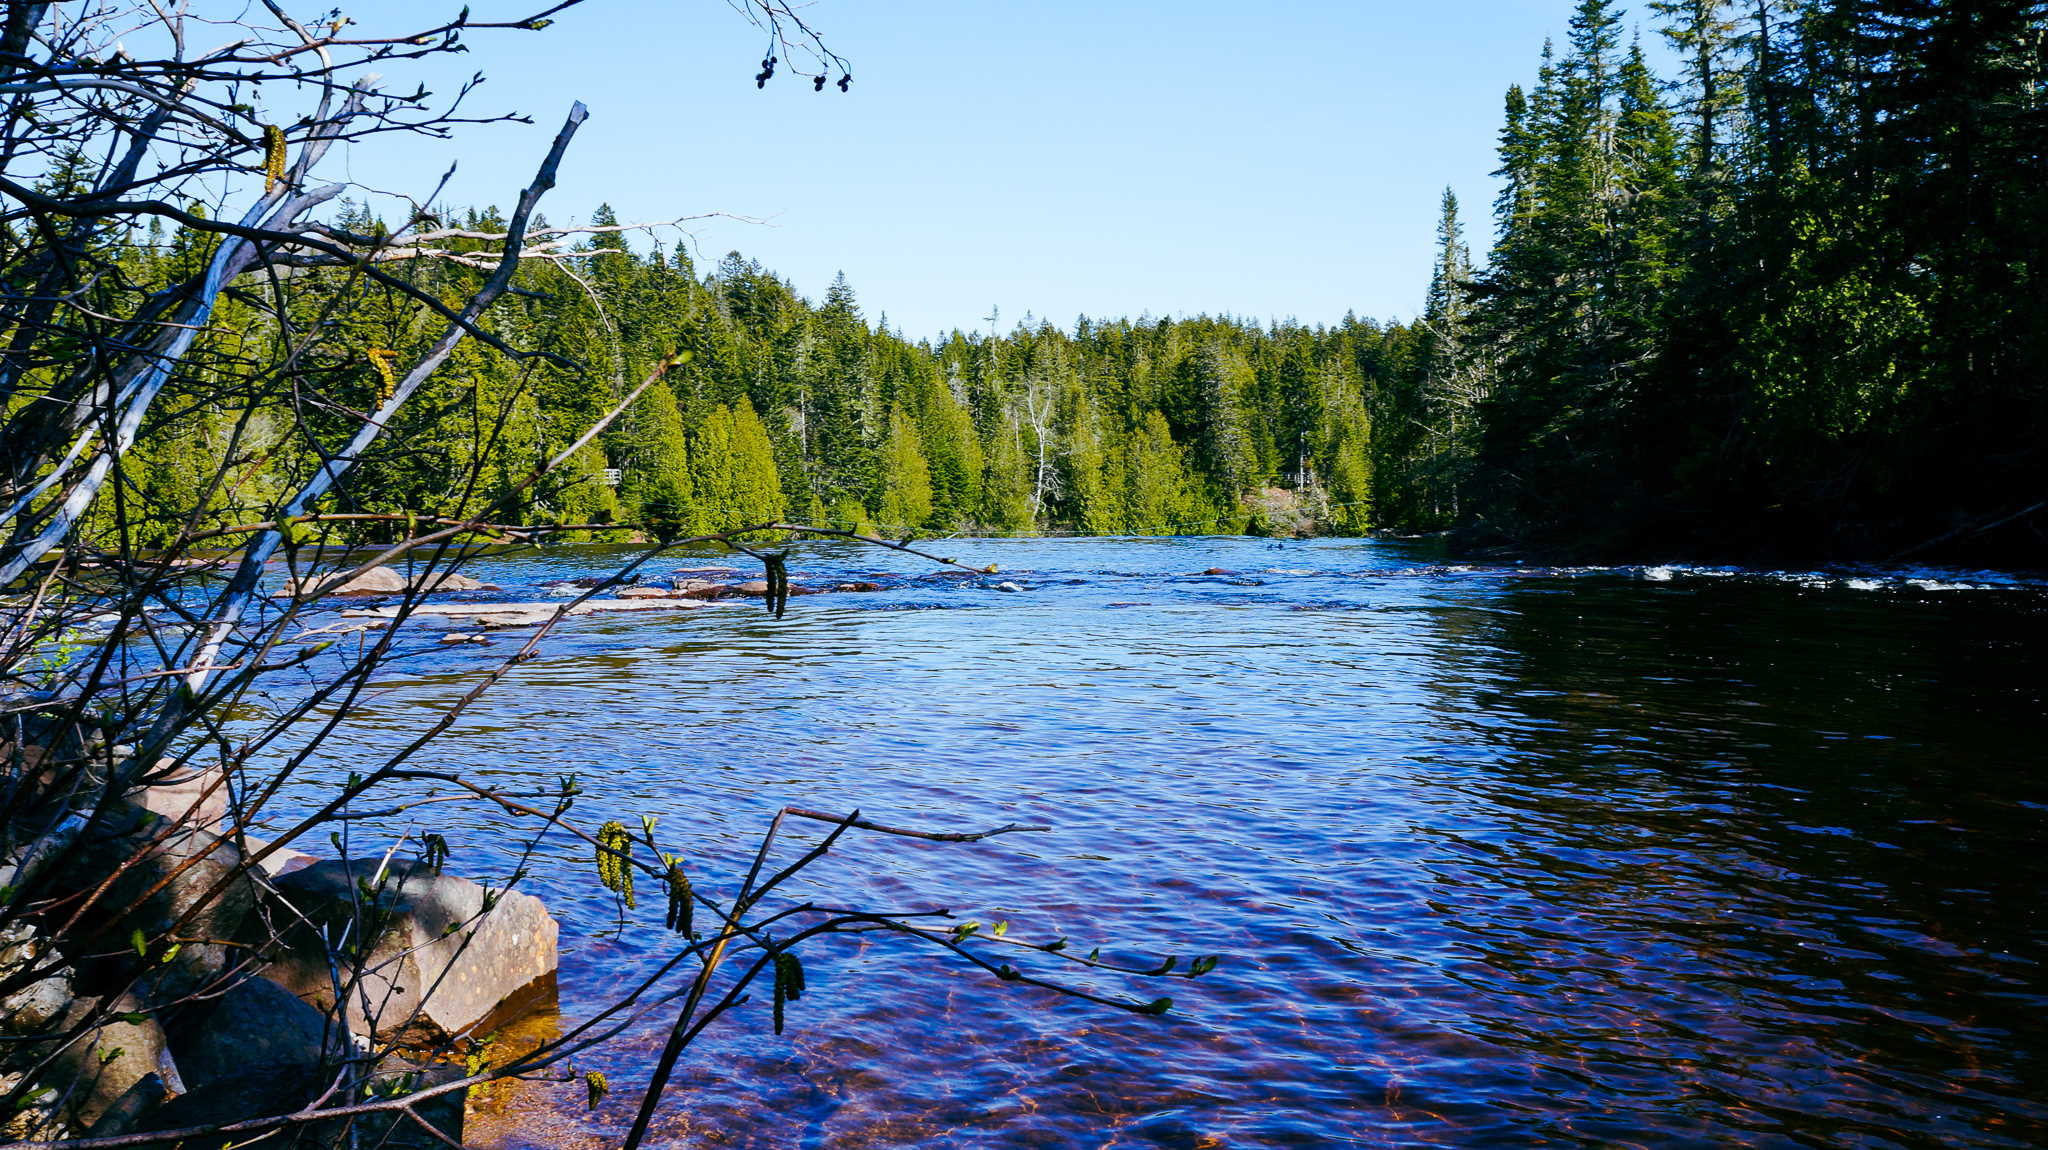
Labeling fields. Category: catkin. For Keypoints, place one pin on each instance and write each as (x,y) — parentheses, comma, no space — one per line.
(387,378)
(273,156)
(681,914)
(614,860)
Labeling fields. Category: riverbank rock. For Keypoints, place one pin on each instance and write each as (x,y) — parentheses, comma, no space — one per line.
(94,1072)
(383,581)
(646,593)
(196,795)
(437,963)
(281,861)
(255,1027)
(165,873)
(250,1097)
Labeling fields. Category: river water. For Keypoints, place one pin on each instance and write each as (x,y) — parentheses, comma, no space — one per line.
(1491,856)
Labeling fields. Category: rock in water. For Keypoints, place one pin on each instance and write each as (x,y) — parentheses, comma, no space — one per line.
(438,964)
(1008,586)
(382,581)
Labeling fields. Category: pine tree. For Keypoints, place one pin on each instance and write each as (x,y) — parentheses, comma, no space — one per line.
(656,480)
(905,500)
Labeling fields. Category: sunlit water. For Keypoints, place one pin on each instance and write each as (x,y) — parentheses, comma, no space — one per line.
(1491,856)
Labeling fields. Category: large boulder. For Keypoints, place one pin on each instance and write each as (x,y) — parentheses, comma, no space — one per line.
(167,879)
(196,794)
(256,1027)
(435,962)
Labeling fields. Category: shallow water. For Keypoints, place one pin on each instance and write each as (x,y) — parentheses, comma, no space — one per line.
(1491,856)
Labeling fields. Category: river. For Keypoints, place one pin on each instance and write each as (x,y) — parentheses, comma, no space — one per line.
(1490,855)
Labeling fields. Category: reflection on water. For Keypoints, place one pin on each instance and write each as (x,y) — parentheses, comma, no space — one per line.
(1493,857)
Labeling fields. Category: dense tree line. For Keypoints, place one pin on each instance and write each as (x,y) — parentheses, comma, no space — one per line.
(1788,299)
(777,407)
(1791,301)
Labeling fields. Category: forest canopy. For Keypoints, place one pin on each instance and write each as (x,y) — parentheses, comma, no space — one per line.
(1782,301)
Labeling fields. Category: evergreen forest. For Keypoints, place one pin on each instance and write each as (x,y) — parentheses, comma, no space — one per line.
(1782,301)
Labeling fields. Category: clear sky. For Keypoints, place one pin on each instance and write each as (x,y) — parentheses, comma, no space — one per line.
(1052,157)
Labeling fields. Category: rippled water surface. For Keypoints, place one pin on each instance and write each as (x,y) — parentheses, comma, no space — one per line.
(1491,856)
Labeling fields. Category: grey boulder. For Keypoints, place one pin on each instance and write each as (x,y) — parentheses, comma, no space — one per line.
(434,963)
(255,1027)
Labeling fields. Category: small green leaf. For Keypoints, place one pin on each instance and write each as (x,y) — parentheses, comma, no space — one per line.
(1157,1006)
(140,943)
(1001,929)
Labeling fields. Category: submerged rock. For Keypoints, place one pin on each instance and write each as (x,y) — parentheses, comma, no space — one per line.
(437,963)
(511,614)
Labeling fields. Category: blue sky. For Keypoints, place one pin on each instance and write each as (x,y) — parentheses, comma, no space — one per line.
(1057,157)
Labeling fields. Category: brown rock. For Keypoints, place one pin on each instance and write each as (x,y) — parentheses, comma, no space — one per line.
(645,593)
(456,581)
(283,860)
(113,1057)
(756,589)
(439,964)
(197,795)
(1219,571)
(859,587)
(177,868)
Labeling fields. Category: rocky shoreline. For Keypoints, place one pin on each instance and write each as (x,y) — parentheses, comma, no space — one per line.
(288,981)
